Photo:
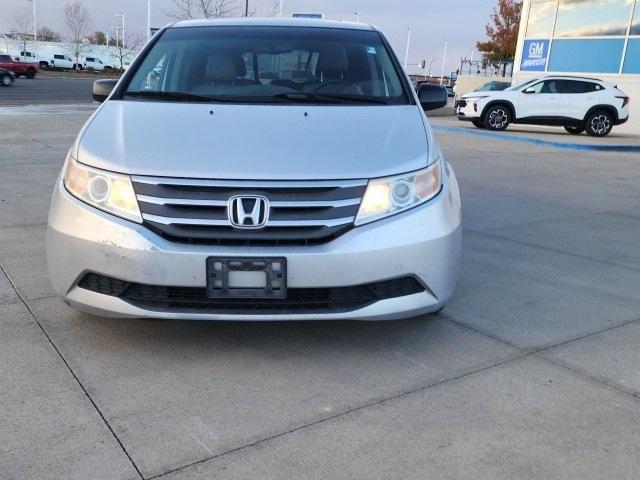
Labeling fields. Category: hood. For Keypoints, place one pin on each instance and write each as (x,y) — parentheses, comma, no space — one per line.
(271,142)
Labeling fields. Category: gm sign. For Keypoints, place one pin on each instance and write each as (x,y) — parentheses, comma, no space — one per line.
(534,56)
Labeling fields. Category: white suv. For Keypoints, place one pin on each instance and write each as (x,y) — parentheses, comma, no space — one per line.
(578,104)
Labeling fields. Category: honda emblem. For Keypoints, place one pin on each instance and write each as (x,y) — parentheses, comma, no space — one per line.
(248,211)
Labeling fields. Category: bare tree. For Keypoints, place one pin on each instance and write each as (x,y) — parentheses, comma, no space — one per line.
(188,9)
(126,49)
(78,23)
(21,23)
(46,34)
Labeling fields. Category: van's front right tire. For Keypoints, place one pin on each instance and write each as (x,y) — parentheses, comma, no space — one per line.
(497,117)
(478,123)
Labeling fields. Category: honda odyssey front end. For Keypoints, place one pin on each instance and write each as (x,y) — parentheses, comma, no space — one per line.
(257,170)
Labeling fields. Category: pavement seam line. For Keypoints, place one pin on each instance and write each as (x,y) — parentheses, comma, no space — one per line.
(588,376)
(73,374)
(374,403)
(550,249)
(538,352)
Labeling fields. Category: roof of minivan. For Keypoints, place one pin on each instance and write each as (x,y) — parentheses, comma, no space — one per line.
(273,22)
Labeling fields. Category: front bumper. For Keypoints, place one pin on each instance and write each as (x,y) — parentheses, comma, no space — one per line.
(468,110)
(423,242)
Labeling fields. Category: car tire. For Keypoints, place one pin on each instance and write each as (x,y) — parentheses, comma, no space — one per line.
(599,123)
(6,80)
(478,124)
(497,117)
(31,74)
(574,130)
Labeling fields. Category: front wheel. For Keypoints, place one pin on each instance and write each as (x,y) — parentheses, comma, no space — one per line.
(574,130)
(497,117)
(599,123)
(31,74)
(477,123)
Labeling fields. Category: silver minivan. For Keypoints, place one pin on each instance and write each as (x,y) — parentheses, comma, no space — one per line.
(253,169)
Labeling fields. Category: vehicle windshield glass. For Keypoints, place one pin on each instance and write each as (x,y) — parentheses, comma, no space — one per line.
(269,64)
(521,85)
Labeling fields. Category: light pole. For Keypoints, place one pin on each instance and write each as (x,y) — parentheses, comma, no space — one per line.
(122,16)
(444,58)
(35,29)
(148,20)
(406,52)
(246,8)
(431,64)
(357,14)
(280,2)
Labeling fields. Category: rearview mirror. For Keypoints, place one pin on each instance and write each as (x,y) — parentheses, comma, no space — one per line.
(102,89)
(432,96)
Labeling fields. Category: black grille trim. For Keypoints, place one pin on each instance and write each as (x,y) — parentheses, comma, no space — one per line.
(299,300)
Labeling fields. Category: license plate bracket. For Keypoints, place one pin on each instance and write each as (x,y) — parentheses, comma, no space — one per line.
(220,269)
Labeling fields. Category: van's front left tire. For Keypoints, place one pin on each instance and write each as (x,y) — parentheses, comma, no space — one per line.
(497,117)
(599,123)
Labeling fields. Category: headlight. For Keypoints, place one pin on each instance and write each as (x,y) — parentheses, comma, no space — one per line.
(111,192)
(391,195)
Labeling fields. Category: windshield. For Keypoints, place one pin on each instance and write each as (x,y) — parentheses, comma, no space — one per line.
(492,87)
(269,64)
(522,85)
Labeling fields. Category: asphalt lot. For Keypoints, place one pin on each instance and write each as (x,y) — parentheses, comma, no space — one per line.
(531,372)
(48,89)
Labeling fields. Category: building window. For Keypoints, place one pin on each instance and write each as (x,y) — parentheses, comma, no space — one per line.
(593,18)
(635,23)
(586,55)
(632,58)
(542,13)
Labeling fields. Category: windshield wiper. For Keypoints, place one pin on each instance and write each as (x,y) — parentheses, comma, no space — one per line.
(182,96)
(311,97)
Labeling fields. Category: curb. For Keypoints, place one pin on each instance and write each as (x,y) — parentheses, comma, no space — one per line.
(505,137)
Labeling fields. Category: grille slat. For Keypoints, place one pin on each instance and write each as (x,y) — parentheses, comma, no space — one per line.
(195,210)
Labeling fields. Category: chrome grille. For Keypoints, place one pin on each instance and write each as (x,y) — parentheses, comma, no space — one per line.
(195,211)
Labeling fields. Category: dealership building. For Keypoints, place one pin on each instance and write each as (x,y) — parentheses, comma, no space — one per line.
(589,38)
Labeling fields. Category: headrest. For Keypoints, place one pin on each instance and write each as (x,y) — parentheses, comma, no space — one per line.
(332,58)
(220,67)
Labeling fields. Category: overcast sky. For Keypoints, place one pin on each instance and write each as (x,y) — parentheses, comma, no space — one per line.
(461,22)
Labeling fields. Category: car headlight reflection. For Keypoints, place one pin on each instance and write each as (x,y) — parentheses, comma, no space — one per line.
(111,192)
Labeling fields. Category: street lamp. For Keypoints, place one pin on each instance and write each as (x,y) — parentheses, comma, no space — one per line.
(357,14)
(280,2)
(444,58)
(246,8)
(121,15)
(35,30)
(148,20)
(431,64)
(406,52)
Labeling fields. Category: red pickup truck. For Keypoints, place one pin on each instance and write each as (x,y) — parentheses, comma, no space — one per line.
(29,70)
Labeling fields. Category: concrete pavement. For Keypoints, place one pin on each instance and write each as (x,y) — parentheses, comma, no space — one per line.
(531,372)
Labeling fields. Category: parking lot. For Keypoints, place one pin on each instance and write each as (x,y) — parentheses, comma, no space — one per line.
(531,371)
(48,88)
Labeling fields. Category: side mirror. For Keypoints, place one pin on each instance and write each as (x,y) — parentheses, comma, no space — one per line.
(529,90)
(432,96)
(102,89)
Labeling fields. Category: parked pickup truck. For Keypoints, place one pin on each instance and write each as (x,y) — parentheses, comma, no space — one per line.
(29,70)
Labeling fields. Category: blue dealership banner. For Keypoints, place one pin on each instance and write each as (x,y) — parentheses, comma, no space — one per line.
(535,55)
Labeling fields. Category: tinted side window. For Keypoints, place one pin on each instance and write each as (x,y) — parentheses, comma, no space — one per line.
(5,58)
(576,86)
